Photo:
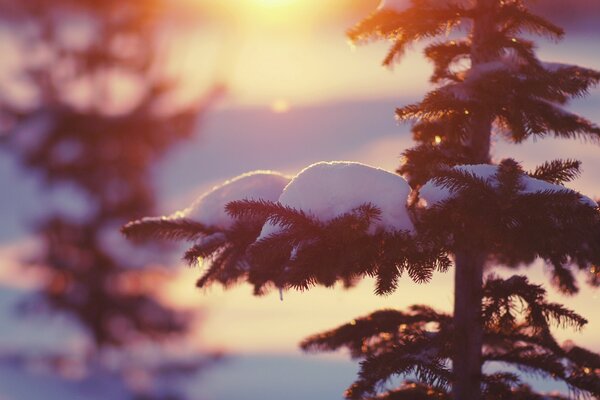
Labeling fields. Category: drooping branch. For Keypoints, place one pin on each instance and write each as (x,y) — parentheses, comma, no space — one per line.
(417,345)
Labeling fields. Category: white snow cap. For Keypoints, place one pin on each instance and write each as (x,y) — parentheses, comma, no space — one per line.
(433,193)
(209,209)
(393,5)
(326,190)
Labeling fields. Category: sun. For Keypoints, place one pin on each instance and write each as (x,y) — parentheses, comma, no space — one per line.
(282,15)
(288,15)
(280,106)
(274,3)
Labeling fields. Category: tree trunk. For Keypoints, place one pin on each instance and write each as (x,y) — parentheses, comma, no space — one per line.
(468,331)
(468,278)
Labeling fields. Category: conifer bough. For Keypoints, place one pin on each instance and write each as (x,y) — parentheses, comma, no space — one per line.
(472,220)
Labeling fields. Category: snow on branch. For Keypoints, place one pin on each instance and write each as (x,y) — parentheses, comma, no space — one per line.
(217,237)
(209,209)
(333,222)
(438,189)
(326,190)
(208,215)
(516,218)
(339,221)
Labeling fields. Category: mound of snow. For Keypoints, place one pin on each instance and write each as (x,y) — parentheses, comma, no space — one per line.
(209,209)
(433,193)
(394,5)
(326,190)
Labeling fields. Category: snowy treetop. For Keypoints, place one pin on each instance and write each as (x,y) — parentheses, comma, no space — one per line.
(433,192)
(326,190)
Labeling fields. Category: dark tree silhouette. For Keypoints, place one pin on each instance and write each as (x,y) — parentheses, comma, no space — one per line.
(477,215)
(105,153)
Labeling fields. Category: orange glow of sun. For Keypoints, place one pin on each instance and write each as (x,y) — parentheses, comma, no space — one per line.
(274,3)
(280,106)
(257,14)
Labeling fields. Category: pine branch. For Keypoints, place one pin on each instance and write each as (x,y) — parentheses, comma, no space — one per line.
(511,221)
(412,359)
(423,162)
(527,360)
(562,316)
(423,19)
(205,248)
(305,251)
(516,17)
(438,104)
(275,213)
(220,268)
(509,180)
(359,218)
(500,297)
(447,129)
(365,335)
(165,228)
(557,171)
(418,343)
(226,255)
(563,279)
(410,390)
(521,49)
(387,275)
(524,117)
(500,384)
(581,379)
(564,82)
(444,54)
(461,181)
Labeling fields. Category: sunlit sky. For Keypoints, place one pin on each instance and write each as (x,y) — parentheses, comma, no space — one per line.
(281,56)
(295,51)
(290,51)
(276,55)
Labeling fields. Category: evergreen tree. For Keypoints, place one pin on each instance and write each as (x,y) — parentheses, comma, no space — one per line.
(106,155)
(465,212)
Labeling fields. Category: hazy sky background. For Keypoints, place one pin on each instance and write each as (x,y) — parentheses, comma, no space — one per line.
(299,93)
(339,104)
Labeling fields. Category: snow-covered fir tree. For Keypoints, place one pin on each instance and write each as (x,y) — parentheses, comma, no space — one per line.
(448,208)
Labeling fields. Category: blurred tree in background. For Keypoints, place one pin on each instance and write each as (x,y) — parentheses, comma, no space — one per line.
(87,111)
